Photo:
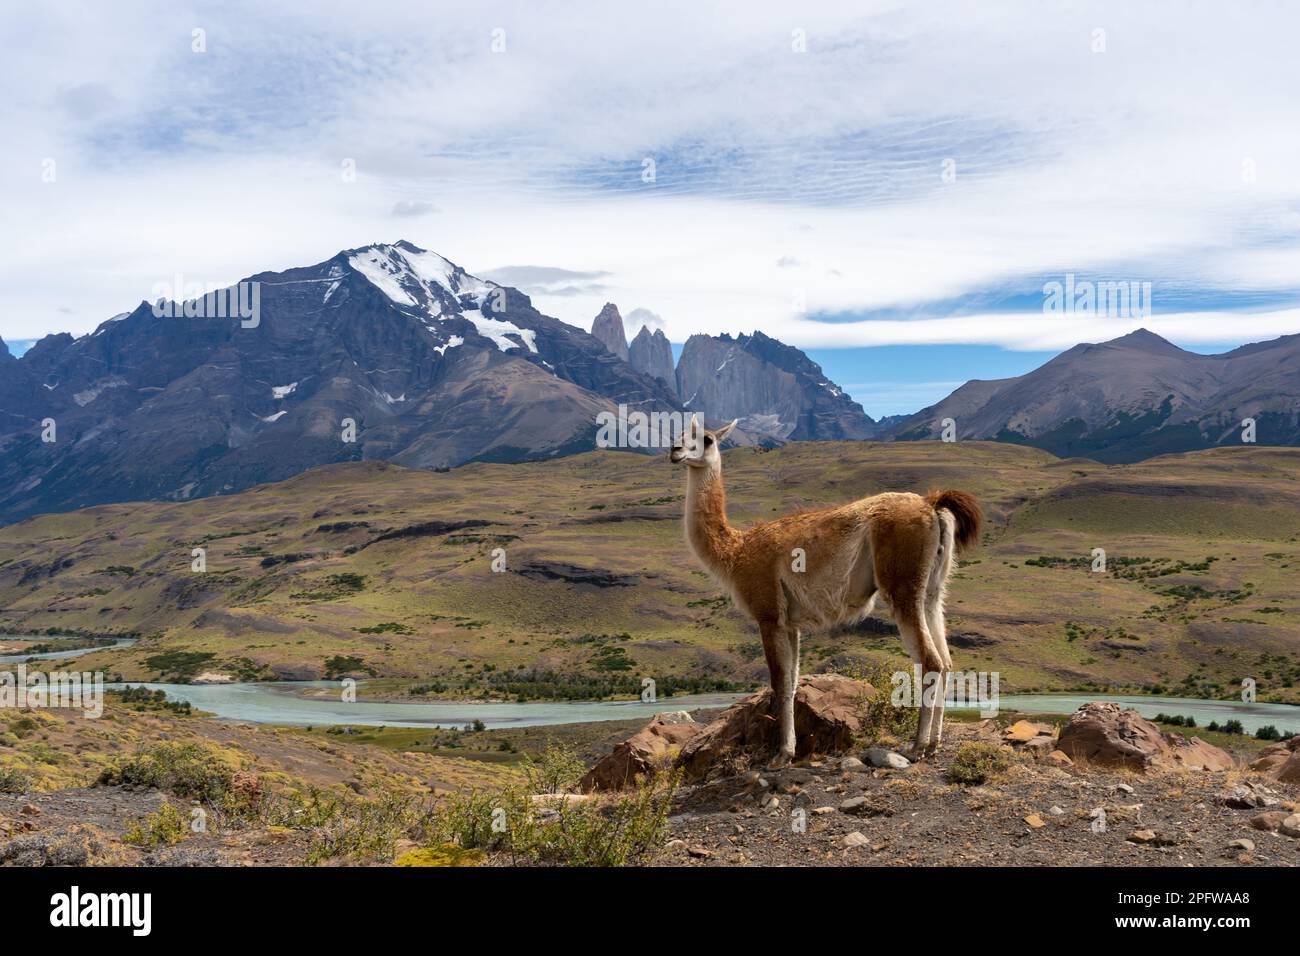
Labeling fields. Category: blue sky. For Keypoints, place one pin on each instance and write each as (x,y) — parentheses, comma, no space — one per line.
(886,185)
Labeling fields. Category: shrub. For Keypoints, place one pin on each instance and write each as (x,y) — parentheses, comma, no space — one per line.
(179,664)
(361,828)
(341,664)
(458,828)
(571,834)
(1268,732)
(13,780)
(556,770)
(977,761)
(187,770)
(1233,727)
(881,717)
(165,828)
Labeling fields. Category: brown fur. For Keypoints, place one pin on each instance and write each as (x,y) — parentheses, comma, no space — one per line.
(825,567)
(967,512)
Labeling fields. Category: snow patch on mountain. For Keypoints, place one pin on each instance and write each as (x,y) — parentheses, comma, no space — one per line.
(498,329)
(451,343)
(419,279)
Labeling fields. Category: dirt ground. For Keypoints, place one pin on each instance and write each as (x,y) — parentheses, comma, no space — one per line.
(820,812)
(915,817)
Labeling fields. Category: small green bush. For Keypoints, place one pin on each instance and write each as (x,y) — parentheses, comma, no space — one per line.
(880,716)
(187,770)
(977,761)
(167,827)
(556,770)
(13,780)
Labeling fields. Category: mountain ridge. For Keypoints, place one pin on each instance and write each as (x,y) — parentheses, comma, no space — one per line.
(1127,399)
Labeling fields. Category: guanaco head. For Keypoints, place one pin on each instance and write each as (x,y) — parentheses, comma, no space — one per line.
(698,446)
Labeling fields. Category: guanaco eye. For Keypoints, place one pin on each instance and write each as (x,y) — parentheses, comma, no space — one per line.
(708,440)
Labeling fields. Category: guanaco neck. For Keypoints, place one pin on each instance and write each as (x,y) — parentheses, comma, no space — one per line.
(713,540)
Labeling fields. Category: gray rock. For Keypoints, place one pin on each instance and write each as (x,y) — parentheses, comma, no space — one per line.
(608,328)
(1249,796)
(880,757)
(652,354)
(854,839)
(776,391)
(852,764)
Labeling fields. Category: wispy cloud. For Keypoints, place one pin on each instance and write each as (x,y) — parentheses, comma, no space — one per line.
(833,174)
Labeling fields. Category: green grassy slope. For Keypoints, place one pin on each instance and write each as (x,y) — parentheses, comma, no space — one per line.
(599,582)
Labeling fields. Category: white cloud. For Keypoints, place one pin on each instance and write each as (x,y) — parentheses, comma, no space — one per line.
(782,178)
(636,319)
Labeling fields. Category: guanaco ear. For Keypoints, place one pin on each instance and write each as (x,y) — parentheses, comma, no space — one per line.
(725,430)
(697,426)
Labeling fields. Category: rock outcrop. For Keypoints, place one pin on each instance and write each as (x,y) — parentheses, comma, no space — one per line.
(1280,761)
(827,716)
(608,329)
(776,391)
(652,354)
(1103,734)
(653,747)
(1036,739)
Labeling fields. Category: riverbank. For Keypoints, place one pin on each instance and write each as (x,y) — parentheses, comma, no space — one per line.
(321,703)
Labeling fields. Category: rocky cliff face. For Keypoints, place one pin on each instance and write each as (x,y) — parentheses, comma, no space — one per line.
(433,367)
(776,391)
(652,355)
(608,330)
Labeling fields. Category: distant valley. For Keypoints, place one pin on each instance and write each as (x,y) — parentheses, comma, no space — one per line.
(371,569)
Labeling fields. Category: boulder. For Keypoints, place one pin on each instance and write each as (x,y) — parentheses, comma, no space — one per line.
(827,716)
(1249,796)
(1270,821)
(884,757)
(651,747)
(1280,761)
(1104,734)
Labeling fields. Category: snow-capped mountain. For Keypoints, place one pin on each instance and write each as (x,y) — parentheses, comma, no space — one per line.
(434,367)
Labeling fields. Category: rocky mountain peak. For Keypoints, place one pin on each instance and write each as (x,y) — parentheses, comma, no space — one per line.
(652,354)
(608,329)
(776,391)
(1145,340)
(416,278)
